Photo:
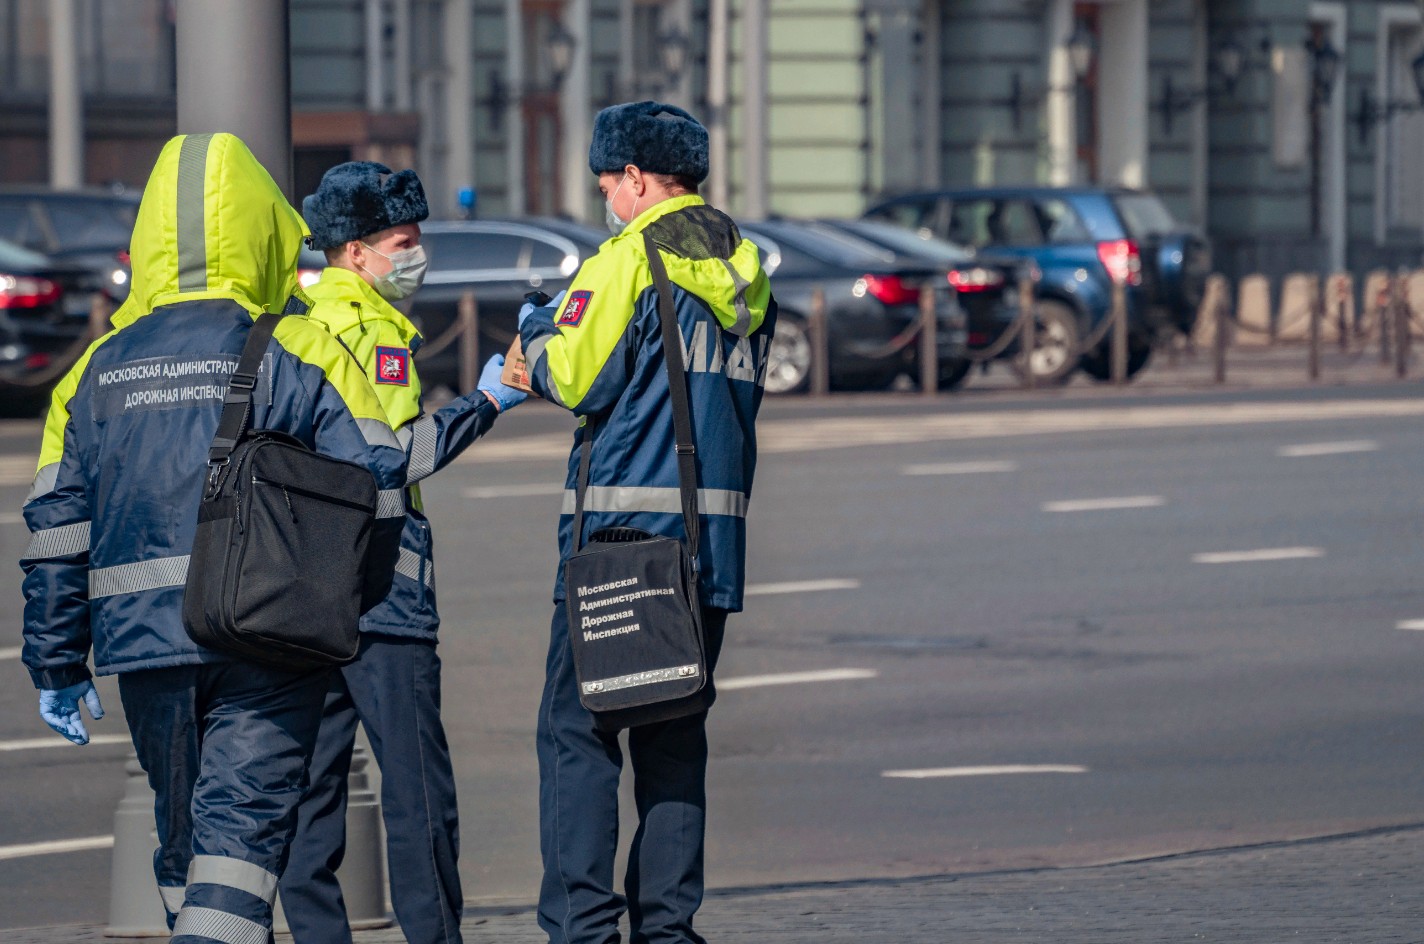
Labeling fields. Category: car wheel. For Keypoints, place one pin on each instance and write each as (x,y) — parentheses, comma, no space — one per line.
(1055,345)
(952,373)
(788,368)
(1097,363)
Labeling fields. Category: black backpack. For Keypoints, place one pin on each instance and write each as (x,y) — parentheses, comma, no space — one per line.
(281,565)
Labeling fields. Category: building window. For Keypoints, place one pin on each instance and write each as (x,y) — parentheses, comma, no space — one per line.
(648,29)
(1403,134)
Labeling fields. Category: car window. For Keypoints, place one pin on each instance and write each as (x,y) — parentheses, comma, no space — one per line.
(994,221)
(463,251)
(910,242)
(1061,223)
(85,224)
(17,225)
(784,259)
(545,255)
(913,215)
(15,259)
(1143,215)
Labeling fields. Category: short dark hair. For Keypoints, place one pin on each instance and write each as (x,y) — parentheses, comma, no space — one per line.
(681,184)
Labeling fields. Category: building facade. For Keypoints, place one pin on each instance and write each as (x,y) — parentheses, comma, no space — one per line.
(1286,129)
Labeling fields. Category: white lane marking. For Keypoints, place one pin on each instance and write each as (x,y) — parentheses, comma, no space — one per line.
(1105,504)
(1302,450)
(13,517)
(934,772)
(1410,624)
(960,468)
(795,678)
(12,653)
(799,586)
(514,491)
(39,744)
(1264,554)
(25,850)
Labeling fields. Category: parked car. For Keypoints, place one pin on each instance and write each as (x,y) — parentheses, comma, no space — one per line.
(89,228)
(44,319)
(1082,239)
(500,261)
(872,304)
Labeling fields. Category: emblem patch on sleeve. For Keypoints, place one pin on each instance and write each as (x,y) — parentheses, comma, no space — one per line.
(393,366)
(575,308)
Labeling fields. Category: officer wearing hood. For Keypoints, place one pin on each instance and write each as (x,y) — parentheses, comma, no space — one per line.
(599,354)
(112,514)
(367,220)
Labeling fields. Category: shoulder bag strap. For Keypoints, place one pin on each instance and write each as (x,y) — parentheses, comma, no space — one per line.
(237,404)
(585,455)
(677,388)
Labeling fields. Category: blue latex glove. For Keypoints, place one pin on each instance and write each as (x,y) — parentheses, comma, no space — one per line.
(490,383)
(528,307)
(60,709)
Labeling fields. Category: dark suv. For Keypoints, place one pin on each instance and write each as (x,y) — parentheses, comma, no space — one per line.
(1082,239)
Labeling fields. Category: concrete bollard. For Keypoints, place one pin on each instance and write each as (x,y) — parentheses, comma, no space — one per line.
(1298,294)
(135,910)
(1253,311)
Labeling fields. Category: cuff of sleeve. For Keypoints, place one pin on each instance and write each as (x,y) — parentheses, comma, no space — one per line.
(60,676)
(539,323)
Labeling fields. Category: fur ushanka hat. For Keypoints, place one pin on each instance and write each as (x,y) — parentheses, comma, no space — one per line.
(653,137)
(359,198)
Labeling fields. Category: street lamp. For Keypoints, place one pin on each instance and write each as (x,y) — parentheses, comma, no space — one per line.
(673,48)
(561,52)
(1082,49)
(1326,68)
(1227,62)
(1372,112)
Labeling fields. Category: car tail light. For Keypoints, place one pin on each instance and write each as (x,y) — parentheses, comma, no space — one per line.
(976,279)
(123,256)
(1122,260)
(38,361)
(890,289)
(27,291)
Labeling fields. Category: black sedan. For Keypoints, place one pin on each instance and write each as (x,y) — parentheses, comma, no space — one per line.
(89,228)
(44,324)
(872,304)
(499,262)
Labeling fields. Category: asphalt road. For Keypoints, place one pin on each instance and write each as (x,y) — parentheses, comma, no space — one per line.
(1113,693)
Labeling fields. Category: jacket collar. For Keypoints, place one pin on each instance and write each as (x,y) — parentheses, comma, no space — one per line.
(338,288)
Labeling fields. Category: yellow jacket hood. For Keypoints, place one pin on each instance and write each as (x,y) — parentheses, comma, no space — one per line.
(212,224)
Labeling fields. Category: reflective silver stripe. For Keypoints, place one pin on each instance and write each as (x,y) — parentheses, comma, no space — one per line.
(44,482)
(667,501)
(233,873)
(192,234)
(138,576)
(424,438)
(403,436)
(172,897)
(390,503)
(58,542)
(739,301)
(219,926)
(408,565)
(640,678)
(536,350)
(378,433)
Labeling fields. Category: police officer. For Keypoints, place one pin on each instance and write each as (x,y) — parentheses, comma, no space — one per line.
(599,354)
(367,220)
(225,743)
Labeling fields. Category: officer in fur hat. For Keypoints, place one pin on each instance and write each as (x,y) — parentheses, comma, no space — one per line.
(367,220)
(599,353)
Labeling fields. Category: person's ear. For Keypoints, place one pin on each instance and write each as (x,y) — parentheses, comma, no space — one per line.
(356,252)
(635,178)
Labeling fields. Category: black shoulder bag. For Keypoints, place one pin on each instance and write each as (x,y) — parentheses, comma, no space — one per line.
(280,555)
(635,618)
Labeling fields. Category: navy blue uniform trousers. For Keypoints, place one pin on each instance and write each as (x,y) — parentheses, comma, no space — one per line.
(393,688)
(579,768)
(226,748)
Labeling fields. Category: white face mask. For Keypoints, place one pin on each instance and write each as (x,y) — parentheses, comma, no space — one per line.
(616,223)
(406,275)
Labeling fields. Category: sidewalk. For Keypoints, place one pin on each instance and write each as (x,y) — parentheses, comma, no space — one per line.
(1361,888)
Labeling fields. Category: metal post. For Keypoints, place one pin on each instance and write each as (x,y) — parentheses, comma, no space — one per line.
(718,20)
(820,345)
(66,97)
(1219,342)
(1386,319)
(1402,330)
(1028,313)
(135,908)
(1119,334)
(929,341)
(100,311)
(234,74)
(1317,317)
(1342,312)
(754,45)
(469,314)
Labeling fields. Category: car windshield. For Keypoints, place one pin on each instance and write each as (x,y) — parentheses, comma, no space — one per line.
(18,259)
(826,244)
(909,242)
(1144,215)
(92,224)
